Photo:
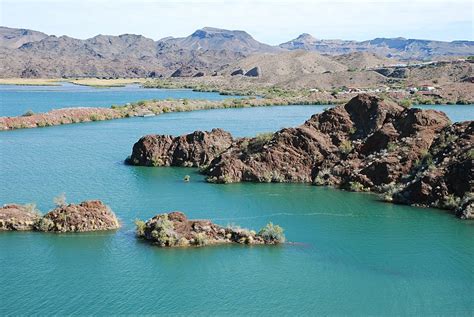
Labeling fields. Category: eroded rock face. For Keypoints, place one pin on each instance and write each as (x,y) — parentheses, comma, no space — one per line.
(444,176)
(175,230)
(195,149)
(92,215)
(413,156)
(368,141)
(18,217)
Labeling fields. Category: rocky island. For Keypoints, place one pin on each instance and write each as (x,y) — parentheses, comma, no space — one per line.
(409,155)
(92,215)
(174,229)
(16,217)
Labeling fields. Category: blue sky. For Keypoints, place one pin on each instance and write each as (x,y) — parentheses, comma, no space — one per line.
(270,21)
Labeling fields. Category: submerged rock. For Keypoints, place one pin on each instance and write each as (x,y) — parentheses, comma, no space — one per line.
(18,217)
(195,149)
(175,230)
(92,215)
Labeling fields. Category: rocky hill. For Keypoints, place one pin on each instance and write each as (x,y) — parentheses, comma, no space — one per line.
(390,47)
(14,38)
(28,54)
(411,156)
(211,39)
(285,64)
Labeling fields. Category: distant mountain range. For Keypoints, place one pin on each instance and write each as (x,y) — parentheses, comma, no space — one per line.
(28,53)
(400,47)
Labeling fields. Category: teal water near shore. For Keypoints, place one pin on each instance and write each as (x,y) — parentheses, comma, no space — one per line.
(353,254)
(16,100)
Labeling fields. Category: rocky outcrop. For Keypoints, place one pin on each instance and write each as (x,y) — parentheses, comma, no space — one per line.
(238,71)
(444,176)
(92,215)
(195,149)
(18,217)
(254,72)
(175,230)
(412,156)
(368,141)
(186,71)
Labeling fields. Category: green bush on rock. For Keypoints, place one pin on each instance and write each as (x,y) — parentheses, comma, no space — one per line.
(272,233)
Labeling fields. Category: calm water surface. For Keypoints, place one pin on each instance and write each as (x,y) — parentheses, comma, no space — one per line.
(16,100)
(354,254)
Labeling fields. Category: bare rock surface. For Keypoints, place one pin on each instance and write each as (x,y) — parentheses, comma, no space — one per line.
(195,149)
(91,215)
(18,217)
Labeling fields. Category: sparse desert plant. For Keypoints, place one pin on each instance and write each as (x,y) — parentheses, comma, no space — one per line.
(44,224)
(201,239)
(60,200)
(140,228)
(29,113)
(31,208)
(345,147)
(272,233)
(451,202)
(356,187)
(406,103)
(391,146)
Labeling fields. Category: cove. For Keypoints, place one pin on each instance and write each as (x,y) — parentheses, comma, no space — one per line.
(16,100)
(353,253)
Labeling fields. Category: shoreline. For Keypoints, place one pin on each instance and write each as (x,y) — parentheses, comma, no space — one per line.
(142,109)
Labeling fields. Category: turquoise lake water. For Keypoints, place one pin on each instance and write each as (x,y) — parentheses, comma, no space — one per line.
(353,255)
(16,100)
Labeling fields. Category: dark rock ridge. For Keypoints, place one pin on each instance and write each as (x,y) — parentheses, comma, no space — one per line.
(412,156)
(195,149)
(92,215)
(18,217)
(254,72)
(175,230)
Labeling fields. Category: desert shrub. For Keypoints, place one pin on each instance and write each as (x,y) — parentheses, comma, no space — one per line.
(356,187)
(60,200)
(261,138)
(95,117)
(31,208)
(345,147)
(391,146)
(163,231)
(201,239)
(272,233)
(140,228)
(29,113)
(451,202)
(470,154)
(44,224)
(406,103)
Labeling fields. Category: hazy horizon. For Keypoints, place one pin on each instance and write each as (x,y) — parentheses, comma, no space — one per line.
(342,19)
